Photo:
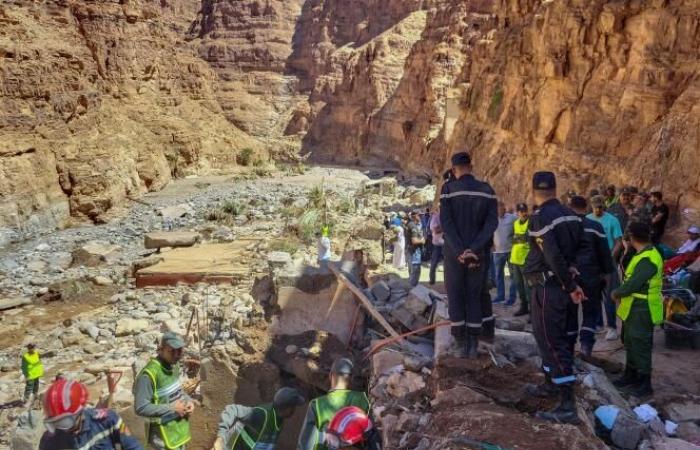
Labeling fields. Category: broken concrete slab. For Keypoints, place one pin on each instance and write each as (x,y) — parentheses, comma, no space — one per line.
(418,300)
(510,323)
(9,303)
(407,318)
(385,361)
(627,431)
(404,383)
(95,253)
(142,263)
(459,396)
(172,239)
(683,412)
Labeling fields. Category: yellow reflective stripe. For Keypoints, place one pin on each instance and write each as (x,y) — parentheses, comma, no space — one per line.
(642,296)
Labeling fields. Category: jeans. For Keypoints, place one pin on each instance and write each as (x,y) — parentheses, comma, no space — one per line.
(414,275)
(609,303)
(435,259)
(499,263)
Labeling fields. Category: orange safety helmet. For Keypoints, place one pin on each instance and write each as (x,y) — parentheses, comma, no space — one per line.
(350,425)
(63,401)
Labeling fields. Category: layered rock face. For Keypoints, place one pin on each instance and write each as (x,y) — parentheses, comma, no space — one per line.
(101,101)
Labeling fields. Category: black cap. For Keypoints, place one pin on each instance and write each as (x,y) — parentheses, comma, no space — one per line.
(31,345)
(544,181)
(287,397)
(448,175)
(521,207)
(461,159)
(640,231)
(342,366)
(578,202)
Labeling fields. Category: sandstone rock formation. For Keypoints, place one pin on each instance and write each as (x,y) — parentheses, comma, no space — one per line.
(103,100)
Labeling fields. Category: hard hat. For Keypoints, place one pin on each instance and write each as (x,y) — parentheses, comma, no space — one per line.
(342,366)
(63,401)
(350,425)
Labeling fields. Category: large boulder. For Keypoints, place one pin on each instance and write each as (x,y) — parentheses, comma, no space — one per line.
(30,427)
(126,327)
(161,239)
(95,253)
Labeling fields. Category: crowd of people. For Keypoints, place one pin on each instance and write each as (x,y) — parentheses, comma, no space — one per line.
(602,253)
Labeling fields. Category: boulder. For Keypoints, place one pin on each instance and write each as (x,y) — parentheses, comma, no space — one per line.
(407,318)
(381,291)
(9,303)
(404,383)
(95,253)
(627,431)
(30,427)
(72,336)
(59,260)
(145,262)
(683,412)
(176,211)
(278,260)
(418,300)
(160,239)
(100,280)
(515,345)
(148,340)
(126,327)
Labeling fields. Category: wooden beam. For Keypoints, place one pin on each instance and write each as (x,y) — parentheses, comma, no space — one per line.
(339,290)
(367,303)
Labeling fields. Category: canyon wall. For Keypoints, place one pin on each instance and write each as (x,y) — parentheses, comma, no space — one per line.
(103,100)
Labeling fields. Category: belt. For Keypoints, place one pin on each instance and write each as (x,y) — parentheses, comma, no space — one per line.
(538,278)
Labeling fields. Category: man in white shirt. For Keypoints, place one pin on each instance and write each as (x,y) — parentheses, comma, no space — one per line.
(691,245)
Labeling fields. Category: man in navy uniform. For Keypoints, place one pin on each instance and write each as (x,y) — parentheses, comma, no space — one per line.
(595,265)
(468,214)
(555,234)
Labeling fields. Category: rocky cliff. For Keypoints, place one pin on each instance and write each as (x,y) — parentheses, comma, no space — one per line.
(103,100)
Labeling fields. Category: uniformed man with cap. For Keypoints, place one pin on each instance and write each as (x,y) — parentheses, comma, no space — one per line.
(469,218)
(160,398)
(594,264)
(244,428)
(314,435)
(555,237)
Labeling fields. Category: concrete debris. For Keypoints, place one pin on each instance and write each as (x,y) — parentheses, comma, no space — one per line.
(381,291)
(171,239)
(459,396)
(95,253)
(404,383)
(278,260)
(516,345)
(684,412)
(126,327)
(30,427)
(627,431)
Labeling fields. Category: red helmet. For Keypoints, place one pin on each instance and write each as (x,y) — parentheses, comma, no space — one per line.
(350,425)
(62,402)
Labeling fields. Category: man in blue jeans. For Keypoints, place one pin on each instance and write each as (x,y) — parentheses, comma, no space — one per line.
(438,242)
(613,233)
(502,244)
(414,245)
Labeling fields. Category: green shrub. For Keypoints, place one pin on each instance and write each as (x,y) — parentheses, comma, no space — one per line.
(346,205)
(216,215)
(232,208)
(245,157)
(316,198)
(262,172)
(309,224)
(284,245)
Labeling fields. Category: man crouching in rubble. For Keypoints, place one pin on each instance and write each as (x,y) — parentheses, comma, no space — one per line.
(160,398)
(243,427)
(315,433)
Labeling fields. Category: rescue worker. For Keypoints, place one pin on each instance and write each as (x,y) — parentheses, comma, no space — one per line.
(469,217)
(555,236)
(518,255)
(314,433)
(33,370)
(160,399)
(594,264)
(353,429)
(242,427)
(640,308)
(70,424)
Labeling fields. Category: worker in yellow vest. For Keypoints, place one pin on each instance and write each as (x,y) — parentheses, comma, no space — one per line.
(640,308)
(33,370)
(160,398)
(518,255)
(314,433)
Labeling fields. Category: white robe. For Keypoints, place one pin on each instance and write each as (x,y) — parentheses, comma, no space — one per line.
(399,260)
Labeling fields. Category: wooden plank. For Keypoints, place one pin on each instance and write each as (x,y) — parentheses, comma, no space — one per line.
(364,300)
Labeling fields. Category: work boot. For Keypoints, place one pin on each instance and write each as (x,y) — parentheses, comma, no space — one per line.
(488,332)
(642,388)
(543,390)
(565,411)
(629,378)
(522,310)
(459,346)
(472,346)
(586,350)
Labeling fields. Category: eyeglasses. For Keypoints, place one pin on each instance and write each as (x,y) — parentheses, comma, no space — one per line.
(63,424)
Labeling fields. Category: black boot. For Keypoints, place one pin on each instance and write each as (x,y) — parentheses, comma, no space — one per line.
(488,332)
(546,389)
(459,348)
(472,346)
(565,411)
(522,310)
(642,388)
(629,378)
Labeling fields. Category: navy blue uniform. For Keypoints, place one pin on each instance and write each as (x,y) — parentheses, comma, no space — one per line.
(101,429)
(555,234)
(594,260)
(469,217)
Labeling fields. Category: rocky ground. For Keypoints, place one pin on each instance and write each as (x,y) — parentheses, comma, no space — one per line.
(79,304)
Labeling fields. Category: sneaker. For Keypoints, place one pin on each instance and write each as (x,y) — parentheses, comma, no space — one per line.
(612,335)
